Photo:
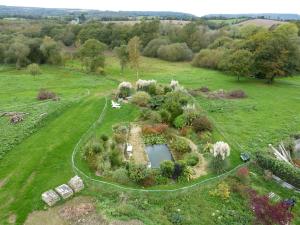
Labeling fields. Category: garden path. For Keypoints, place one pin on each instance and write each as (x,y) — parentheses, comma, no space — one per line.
(135,139)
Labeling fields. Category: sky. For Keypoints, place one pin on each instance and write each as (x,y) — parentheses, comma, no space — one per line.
(196,7)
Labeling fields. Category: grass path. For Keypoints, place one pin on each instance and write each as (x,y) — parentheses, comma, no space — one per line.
(42,161)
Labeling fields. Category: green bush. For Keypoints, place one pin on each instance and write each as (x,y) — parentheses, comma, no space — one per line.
(167,168)
(121,176)
(192,159)
(115,158)
(137,173)
(34,69)
(165,116)
(141,98)
(281,169)
(175,52)
(153,139)
(104,137)
(150,115)
(201,124)
(209,58)
(179,121)
(156,102)
(152,47)
(180,145)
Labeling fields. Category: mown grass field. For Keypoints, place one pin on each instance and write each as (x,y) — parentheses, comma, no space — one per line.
(42,159)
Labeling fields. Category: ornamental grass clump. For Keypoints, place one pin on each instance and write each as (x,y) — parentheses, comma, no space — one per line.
(124,89)
(146,85)
(221,152)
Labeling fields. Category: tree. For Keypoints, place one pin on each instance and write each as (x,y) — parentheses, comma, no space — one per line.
(175,52)
(91,54)
(134,54)
(123,56)
(18,53)
(239,63)
(51,51)
(276,52)
(152,47)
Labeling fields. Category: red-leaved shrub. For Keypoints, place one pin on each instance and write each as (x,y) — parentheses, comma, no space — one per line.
(267,213)
(155,128)
(243,174)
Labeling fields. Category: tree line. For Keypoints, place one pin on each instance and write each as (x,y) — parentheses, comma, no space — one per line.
(264,53)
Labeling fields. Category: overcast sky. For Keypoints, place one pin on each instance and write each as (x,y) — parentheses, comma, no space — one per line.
(196,7)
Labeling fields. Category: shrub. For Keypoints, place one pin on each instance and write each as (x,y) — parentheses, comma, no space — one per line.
(155,128)
(167,168)
(221,191)
(121,176)
(150,115)
(201,124)
(192,159)
(243,174)
(191,113)
(179,121)
(137,173)
(165,116)
(154,139)
(141,98)
(152,47)
(100,70)
(208,58)
(104,137)
(179,168)
(180,145)
(175,52)
(281,169)
(267,213)
(97,147)
(115,158)
(34,69)
(45,95)
(156,102)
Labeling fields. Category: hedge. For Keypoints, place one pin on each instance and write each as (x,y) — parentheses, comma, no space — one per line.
(281,169)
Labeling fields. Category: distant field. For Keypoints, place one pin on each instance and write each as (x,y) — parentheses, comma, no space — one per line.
(132,22)
(225,21)
(260,22)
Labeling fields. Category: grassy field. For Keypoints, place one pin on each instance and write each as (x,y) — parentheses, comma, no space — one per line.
(41,160)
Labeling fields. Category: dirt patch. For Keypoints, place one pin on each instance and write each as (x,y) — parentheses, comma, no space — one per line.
(135,139)
(77,211)
(12,219)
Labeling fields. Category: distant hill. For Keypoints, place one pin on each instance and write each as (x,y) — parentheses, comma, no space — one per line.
(272,16)
(33,12)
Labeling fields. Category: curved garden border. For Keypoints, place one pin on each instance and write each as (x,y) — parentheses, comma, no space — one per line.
(80,172)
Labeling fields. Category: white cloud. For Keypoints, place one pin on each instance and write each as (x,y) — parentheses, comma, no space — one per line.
(197,7)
